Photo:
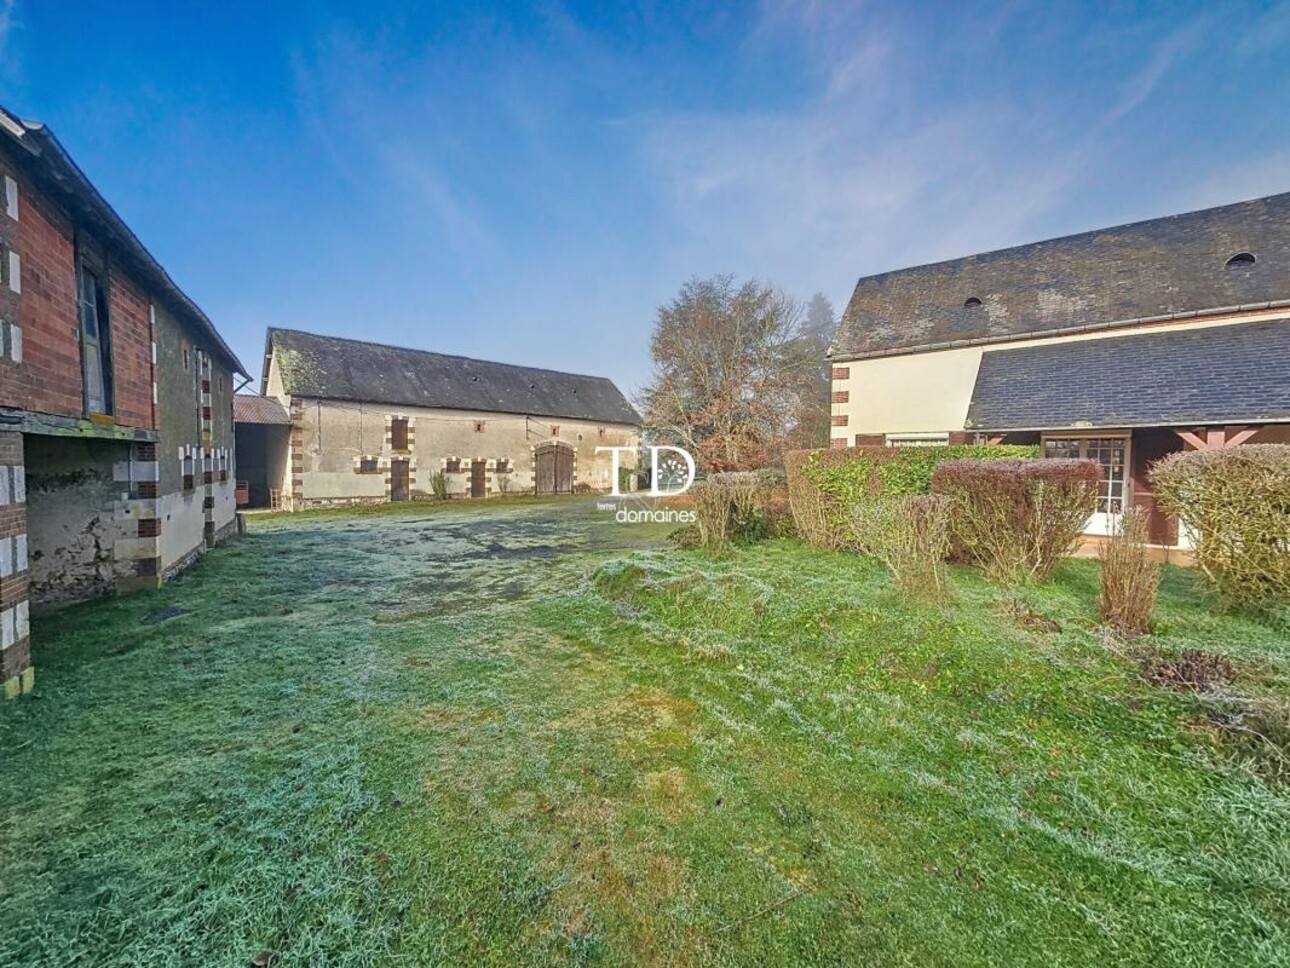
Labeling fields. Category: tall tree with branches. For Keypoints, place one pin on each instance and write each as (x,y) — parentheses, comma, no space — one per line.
(731,368)
(815,405)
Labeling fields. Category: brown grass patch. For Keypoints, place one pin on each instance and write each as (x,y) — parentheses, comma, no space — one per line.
(1023,616)
(1190,671)
(648,716)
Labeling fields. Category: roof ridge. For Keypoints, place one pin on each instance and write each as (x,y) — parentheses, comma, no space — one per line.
(449,356)
(1070,236)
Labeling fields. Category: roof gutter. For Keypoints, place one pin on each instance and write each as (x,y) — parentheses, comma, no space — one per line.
(1067,331)
(1085,427)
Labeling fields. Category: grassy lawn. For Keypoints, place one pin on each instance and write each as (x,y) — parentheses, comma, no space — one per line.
(523,735)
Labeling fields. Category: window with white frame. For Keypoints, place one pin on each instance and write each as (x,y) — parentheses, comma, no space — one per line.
(1111,455)
(917,440)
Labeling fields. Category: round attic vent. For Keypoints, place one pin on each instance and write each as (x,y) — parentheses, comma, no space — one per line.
(971,302)
(1241,260)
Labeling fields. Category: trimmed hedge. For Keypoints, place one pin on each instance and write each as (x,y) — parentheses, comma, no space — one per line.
(825,485)
(1236,500)
(1018,518)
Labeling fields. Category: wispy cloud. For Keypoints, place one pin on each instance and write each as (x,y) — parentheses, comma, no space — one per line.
(853,179)
(385,145)
(425,184)
(1163,56)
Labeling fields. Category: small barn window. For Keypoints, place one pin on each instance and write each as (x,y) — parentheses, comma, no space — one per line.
(367,465)
(479,426)
(555,430)
(1242,260)
(503,465)
(600,432)
(452,465)
(971,302)
(398,433)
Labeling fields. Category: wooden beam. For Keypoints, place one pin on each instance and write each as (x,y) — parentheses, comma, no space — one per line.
(1239,435)
(1191,438)
(1215,437)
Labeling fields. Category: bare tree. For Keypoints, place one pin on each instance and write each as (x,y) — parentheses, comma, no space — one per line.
(812,424)
(731,368)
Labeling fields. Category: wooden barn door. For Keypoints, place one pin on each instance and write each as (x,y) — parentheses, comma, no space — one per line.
(553,468)
(400,480)
(478,488)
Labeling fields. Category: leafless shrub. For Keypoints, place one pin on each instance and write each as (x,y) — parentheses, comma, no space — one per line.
(1236,500)
(1189,671)
(1129,578)
(811,512)
(734,505)
(1017,518)
(911,536)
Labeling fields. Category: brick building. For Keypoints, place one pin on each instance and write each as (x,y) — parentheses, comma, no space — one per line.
(363,423)
(116,424)
(1120,345)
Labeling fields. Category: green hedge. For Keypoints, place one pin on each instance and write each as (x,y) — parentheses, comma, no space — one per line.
(824,485)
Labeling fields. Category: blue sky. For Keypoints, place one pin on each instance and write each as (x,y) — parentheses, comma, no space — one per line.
(528,182)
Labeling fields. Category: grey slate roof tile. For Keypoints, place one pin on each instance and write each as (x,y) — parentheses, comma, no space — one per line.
(1157,267)
(1238,373)
(331,368)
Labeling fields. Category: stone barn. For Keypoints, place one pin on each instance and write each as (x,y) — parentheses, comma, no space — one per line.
(1120,345)
(371,423)
(116,401)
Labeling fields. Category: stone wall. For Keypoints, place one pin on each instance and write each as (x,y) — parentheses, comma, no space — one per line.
(342,452)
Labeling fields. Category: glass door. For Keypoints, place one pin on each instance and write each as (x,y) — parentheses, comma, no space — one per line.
(1112,455)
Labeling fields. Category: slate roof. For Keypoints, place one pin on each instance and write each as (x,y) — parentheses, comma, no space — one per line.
(250,408)
(331,368)
(1220,374)
(1161,267)
(47,162)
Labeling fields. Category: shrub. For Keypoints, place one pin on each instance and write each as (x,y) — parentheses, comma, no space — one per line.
(1018,518)
(439,485)
(1129,578)
(626,479)
(735,505)
(1236,501)
(911,536)
(825,485)
(686,537)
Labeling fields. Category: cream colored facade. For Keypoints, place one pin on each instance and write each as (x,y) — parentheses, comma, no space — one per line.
(924,398)
(929,392)
(330,440)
